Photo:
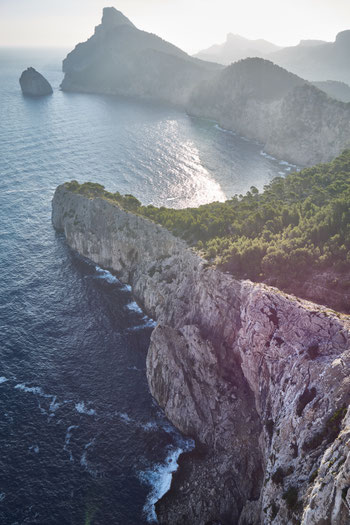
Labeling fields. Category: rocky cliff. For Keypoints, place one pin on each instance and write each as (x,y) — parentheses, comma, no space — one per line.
(34,84)
(260,379)
(253,97)
(294,120)
(120,59)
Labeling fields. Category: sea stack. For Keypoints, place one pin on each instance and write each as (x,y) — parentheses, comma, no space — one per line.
(34,84)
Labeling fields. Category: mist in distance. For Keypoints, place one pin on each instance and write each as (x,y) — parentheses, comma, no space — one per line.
(192,25)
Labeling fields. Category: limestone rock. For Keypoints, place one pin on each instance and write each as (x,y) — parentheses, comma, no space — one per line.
(260,379)
(34,84)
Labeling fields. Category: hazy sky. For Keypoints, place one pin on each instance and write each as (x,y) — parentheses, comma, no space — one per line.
(190,24)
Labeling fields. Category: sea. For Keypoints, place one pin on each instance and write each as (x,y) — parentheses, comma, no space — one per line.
(82,442)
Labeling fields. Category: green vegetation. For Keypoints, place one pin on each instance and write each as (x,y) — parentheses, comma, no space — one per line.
(291,497)
(329,432)
(299,223)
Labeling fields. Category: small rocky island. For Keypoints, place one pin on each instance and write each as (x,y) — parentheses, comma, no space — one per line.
(34,83)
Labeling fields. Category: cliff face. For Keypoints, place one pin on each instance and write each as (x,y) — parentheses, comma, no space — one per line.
(119,59)
(259,378)
(253,97)
(294,120)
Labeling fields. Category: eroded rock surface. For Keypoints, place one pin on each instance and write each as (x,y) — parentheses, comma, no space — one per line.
(34,83)
(260,379)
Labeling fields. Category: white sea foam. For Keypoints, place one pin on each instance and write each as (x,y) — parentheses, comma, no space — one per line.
(67,441)
(134,307)
(266,155)
(159,479)
(125,417)
(148,323)
(229,131)
(126,288)
(281,173)
(3,380)
(35,449)
(31,389)
(84,461)
(106,275)
(53,405)
(80,407)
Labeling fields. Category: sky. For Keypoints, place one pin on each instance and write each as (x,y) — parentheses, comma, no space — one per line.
(190,24)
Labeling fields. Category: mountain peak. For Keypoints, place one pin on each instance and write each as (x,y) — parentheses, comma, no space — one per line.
(112,18)
(343,37)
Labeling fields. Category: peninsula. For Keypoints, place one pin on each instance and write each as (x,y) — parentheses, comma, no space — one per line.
(253,97)
(259,378)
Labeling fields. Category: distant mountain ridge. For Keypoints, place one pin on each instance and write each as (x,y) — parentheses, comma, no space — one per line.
(236,48)
(314,60)
(324,61)
(292,119)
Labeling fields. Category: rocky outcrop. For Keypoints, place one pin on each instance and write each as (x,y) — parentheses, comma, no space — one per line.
(119,59)
(260,379)
(34,84)
(294,120)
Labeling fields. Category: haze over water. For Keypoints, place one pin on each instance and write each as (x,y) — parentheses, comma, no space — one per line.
(81,439)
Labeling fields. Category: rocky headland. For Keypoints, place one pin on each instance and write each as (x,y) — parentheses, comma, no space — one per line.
(259,378)
(293,119)
(120,59)
(34,84)
(253,97)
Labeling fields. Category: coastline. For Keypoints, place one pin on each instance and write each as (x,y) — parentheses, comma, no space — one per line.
(220,364)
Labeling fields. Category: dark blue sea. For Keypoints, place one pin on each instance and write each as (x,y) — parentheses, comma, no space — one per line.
(81,440)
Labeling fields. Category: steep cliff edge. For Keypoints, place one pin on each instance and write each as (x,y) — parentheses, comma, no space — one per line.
(259,378)
(120,59)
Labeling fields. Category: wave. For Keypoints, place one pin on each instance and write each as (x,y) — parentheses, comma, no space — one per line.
(67,441)
(3,380)
(148,323)
(159,479)
(80,407)
(37,390)
(229,131)
(106,275)
(84,462)
(35,449)
(134,307)
(266,155)
(111,279)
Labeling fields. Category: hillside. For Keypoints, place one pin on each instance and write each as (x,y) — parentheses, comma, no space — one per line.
(294,235)
(292,119)
(121,59)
